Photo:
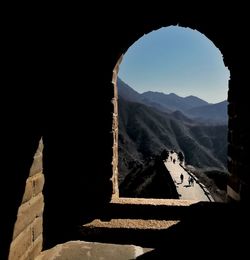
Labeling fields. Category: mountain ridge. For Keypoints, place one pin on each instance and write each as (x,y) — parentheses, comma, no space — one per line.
(191,106)
(145,131)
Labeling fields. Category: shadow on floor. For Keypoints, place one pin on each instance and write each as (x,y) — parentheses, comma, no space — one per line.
(217,231)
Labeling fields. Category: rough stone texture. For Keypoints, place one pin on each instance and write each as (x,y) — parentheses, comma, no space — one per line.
(115,132)
(27,213)
(141,201)
(37,166)
(132,223)
(37,228)
(21,244)
(28,193)
(35,250)
(79,250)
(27,235)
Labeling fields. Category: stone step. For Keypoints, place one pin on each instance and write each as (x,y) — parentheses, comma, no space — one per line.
(146,233)
(145,222)
(79,250)
(157,209)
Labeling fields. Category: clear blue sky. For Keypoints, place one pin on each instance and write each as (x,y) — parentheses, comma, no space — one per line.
(176,60)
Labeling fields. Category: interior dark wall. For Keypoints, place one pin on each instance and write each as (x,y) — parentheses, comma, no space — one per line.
(58,69)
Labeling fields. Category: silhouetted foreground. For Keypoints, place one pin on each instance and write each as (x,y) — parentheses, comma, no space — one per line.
(218,231)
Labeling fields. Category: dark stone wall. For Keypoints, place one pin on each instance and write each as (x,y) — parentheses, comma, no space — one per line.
(57,71)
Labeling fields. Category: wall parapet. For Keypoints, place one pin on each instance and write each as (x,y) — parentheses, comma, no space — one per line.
(27,236)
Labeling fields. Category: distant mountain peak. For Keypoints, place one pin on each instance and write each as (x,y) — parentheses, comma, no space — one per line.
(173,95)
(196,99)
(192,96)
(190,106)
(153,92)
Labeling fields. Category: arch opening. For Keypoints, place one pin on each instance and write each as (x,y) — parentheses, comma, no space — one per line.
(170,118)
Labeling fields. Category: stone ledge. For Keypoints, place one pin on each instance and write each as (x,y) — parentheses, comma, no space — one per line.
(154,209)
(156,202)
(132,223)
(145,233)
(79,250)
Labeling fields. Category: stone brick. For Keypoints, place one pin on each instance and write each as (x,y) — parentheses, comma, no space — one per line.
(27,213)
(34,250)
(21,244)
(37,165)
(40,147)
(27,235)
(34,185)
(37,228)
(37,183)
(28,191)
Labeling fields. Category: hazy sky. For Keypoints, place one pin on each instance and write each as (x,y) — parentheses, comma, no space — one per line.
(176,60)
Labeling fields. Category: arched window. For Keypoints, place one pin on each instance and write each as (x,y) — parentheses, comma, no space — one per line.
(170,118)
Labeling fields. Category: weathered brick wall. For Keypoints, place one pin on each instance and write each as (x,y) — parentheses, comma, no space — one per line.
(27,235)
(115,132)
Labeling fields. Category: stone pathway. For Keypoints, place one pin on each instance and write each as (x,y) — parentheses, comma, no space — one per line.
(196,192)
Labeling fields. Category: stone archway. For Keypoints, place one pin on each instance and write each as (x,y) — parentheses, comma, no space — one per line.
(221,44)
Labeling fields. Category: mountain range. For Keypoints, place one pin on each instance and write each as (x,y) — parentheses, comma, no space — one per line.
(151,122)
(191,106)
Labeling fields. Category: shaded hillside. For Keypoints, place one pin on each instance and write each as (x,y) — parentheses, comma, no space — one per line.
(213,138)
(212,113)
(142,134)
(145,131)
(151,180)
(128,93)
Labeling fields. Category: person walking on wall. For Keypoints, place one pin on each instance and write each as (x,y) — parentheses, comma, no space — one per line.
(181,177)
